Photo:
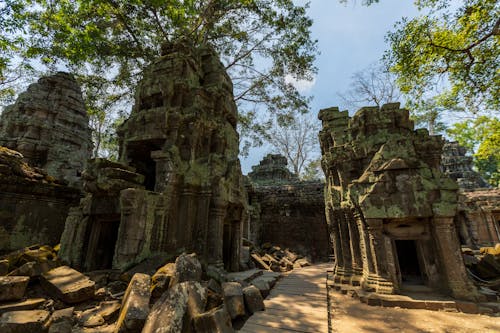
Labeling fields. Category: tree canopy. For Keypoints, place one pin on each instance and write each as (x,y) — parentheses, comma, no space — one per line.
(261,42)
(454,48)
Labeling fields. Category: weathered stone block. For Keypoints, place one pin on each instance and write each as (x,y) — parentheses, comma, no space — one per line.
(13,287)
(233,299)
(161,279)
(32,321)
(29,304)
(187,268)
(68,284)
(216,320)
(174,311)
(135,305)
(253,299)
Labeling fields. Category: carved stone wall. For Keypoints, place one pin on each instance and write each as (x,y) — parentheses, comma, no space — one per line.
(389,209)
(33,206)
(290,216)
(48,124)
(181,137)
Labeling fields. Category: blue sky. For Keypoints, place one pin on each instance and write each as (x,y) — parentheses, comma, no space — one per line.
(350,38)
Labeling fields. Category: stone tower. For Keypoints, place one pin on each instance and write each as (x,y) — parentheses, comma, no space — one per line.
(182,184)
(48,125)
(458,166)
(389,208)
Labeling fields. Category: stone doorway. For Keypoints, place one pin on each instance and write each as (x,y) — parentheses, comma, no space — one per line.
(101,244)
(409,266)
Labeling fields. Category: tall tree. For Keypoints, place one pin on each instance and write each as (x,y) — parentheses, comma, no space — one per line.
(297,140)
(12,65)
(260,42)
(457,48)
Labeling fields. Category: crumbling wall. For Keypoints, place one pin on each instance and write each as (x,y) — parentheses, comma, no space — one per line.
(390,210)
(285,211)
(33,205)
(181,137)
(48,125)
(478,217)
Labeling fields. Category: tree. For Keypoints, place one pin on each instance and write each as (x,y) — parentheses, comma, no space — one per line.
(12,68)
(374,85)
(457,49)
(297,140)
(481,136)
(260,42)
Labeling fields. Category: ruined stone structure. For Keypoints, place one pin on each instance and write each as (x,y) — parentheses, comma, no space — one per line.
(272,170)
(33,206)
(285,211)
(478,217)
(48,124)
(179,185)
(458,166)
(389,209)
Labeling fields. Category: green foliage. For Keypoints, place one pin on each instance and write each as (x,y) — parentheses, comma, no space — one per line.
(313,171)
(458,47)
(12,40)
(482,136)
(260,41)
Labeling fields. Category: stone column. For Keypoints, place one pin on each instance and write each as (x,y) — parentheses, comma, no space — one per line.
(344,272)
(163,169)
(201,227)
(216,233)
(187,214)
(333,229)
(379,277)
(356,261)
(452,261)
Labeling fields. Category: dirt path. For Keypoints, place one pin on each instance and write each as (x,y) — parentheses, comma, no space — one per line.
(350,315)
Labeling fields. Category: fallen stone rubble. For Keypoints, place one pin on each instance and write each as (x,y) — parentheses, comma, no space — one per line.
(484,267)
(273,258)
(38,293)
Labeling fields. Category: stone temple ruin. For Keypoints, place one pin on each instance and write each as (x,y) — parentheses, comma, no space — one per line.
(179,185)
(390,210)
(48,125)
(285,211)
(47,128)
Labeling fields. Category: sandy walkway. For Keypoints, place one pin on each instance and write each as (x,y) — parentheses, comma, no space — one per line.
(351,316)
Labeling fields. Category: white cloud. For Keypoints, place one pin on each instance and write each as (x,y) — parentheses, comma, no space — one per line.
(303,86)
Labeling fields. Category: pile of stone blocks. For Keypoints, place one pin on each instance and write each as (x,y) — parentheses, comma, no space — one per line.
(40,294)
(273,258)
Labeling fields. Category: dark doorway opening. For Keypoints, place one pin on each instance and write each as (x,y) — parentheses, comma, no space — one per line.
(101,244)
(408,262)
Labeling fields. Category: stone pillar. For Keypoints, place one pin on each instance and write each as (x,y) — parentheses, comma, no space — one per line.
(344,272)
(452,261)
(187,215)
(356,261)
(201,228)
(216,233)
(73,237)
(234,265)
(333,229)
(378,278)
(163,169)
